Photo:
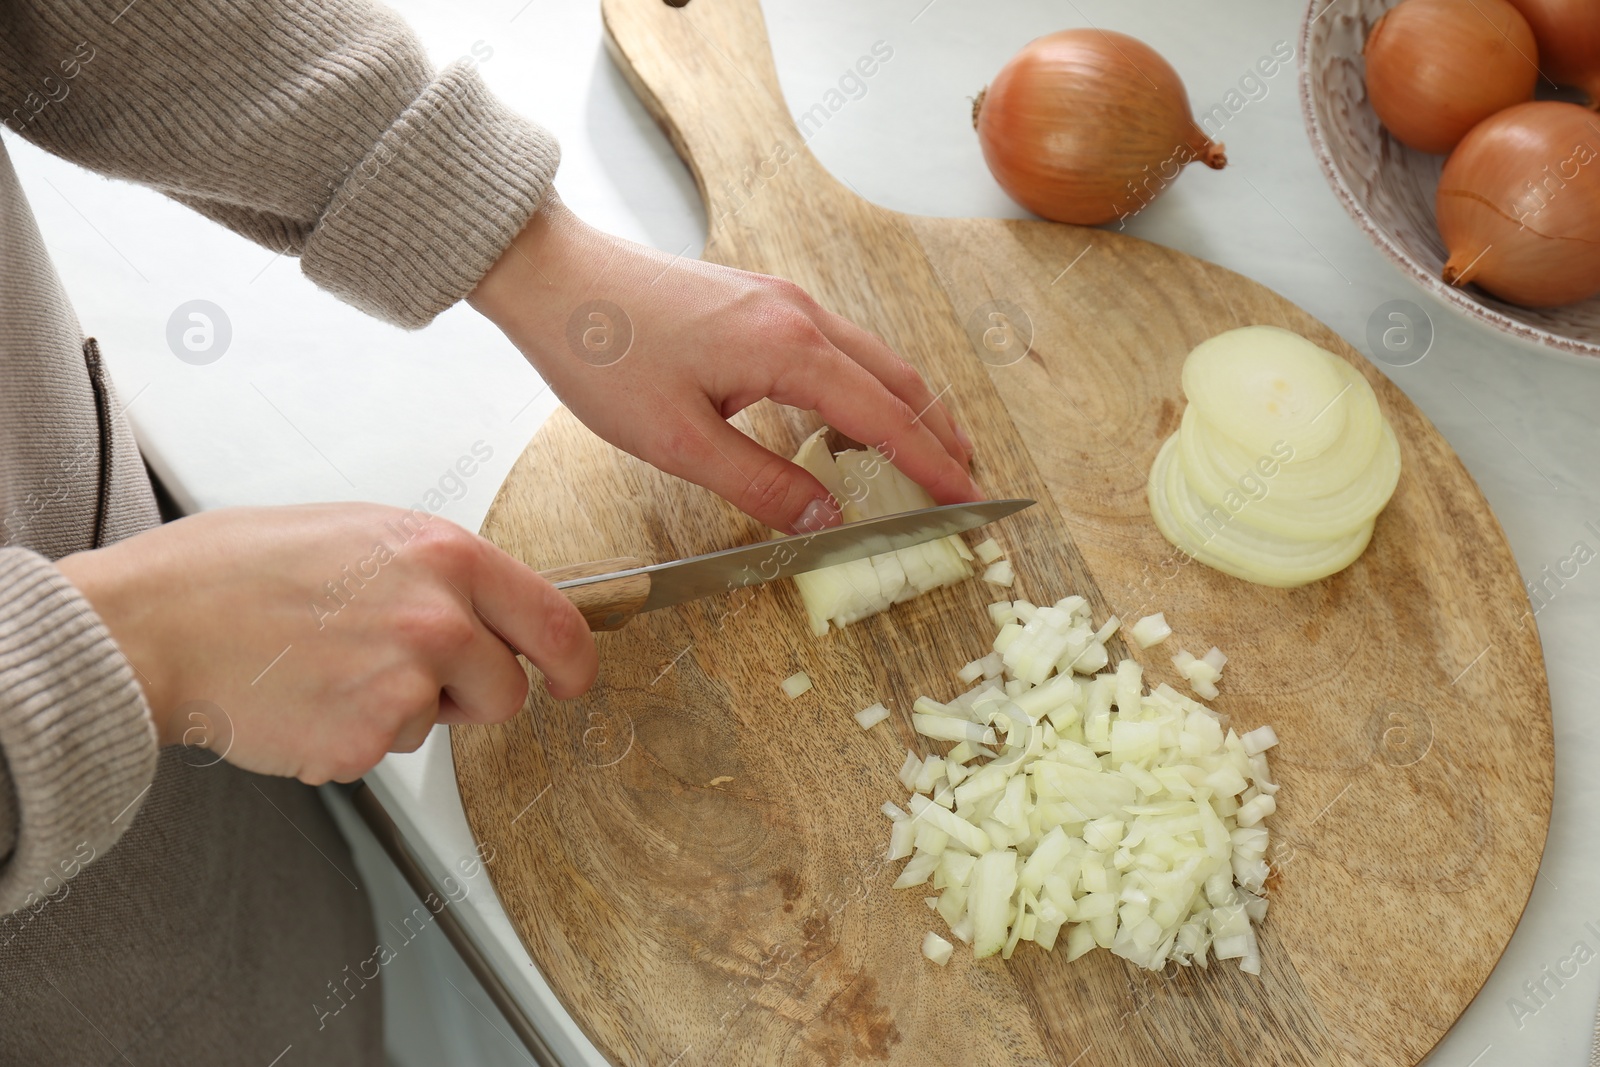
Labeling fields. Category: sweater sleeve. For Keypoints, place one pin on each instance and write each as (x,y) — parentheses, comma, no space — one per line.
(77,746)
(314,127)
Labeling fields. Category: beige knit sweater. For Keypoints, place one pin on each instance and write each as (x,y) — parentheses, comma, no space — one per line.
(154,909)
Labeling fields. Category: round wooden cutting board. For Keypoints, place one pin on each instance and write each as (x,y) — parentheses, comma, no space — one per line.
(695,862)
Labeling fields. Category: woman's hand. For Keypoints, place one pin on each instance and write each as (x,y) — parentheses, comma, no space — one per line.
(655,353)
(308,641)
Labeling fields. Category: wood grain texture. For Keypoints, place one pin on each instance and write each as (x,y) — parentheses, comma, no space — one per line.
(695,862)
(610,604)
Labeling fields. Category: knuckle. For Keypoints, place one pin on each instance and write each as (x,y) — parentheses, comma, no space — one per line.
(564,630)
(513,700)
(346,773)
(317,774)
(436,627)
(787,290)
(443,546)
(455,630)
(408,737)
(901,412)
(397,703)
(684,449)
(895,417)
(791,327)
(341,768)
(360,753)
(768,489)
(416,692)
(902,377)
(407,742)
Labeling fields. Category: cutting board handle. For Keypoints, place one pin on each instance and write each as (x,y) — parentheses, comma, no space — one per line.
(704,69)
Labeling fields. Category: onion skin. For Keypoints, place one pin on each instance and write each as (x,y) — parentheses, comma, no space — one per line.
(1519,205)
(1437,68)
(1568,32)
(1086,126)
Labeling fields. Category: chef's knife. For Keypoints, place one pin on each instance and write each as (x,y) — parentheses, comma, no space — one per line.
(609,592)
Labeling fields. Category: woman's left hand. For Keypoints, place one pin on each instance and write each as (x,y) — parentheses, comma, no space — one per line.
(654,354)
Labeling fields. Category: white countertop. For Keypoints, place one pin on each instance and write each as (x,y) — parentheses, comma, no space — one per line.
(313,401)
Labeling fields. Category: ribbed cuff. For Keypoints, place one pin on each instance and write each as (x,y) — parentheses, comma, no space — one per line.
(78,743)
(424,216)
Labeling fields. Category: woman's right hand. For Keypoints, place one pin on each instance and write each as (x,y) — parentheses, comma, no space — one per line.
(326,635)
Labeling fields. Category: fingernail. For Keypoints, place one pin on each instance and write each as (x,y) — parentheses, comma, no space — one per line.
(818,515)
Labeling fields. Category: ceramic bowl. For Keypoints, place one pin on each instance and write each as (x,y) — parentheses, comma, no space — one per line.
(1388,188)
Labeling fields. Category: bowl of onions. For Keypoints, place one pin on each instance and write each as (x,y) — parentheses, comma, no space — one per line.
(1423,117)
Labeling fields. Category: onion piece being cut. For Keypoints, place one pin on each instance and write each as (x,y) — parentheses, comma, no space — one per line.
(866,486)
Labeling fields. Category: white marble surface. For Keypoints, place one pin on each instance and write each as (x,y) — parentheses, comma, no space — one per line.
(312,401)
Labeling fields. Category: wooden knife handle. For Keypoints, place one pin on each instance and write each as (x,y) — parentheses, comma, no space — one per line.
(605,605)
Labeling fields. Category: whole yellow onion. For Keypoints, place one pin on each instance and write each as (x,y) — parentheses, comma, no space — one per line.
(1568,32)
(1519,205)
(1086,126)
(1437,68)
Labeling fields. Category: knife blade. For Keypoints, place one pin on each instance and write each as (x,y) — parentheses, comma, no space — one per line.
(610,596)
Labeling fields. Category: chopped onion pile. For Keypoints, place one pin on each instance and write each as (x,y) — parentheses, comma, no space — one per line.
(1282,461)
(1075,801)
(866,486)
